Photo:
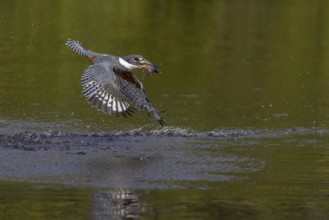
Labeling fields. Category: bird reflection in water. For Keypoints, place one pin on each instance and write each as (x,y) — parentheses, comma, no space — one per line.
(115,204)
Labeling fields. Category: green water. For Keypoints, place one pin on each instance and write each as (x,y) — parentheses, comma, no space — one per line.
(226,64)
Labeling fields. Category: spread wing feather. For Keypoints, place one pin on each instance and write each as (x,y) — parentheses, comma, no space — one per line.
(104,95)
(133,89)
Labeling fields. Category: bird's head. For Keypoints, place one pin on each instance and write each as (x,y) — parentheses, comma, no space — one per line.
(137,61)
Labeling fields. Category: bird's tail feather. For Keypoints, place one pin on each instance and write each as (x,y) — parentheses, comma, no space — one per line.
(77,47)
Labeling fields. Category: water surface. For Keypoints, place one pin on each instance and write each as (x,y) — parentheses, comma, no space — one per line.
(244,91)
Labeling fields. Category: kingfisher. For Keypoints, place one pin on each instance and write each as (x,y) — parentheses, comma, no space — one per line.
(110,84)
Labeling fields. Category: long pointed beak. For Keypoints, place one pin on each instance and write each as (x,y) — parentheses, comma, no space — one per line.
(149,68)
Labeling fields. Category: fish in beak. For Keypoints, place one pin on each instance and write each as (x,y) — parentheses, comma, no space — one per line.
(148,67)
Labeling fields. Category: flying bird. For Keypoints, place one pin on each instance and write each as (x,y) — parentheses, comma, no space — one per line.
(110,84)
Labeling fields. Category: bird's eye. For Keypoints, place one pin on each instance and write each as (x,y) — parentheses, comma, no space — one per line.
(136,59)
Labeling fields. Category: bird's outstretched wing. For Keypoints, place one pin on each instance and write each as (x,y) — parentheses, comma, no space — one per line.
(100,87)
(133,90)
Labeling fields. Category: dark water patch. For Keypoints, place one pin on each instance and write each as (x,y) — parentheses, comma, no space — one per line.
(170,157)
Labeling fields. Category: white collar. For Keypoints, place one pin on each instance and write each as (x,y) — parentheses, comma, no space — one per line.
(126,64)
